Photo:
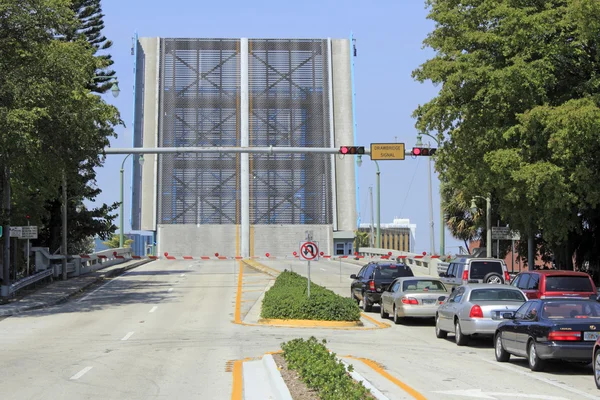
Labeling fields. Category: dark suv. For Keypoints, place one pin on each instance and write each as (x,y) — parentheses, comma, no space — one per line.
(373,279)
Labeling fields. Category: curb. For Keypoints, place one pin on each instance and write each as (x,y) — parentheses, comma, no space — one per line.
(359,378)
(262,268)
(253,315)
(65,297)
(275,379)
(306,323)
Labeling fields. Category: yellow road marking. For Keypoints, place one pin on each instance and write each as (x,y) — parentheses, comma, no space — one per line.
(238,297)
(379,324)
(238,383)
(377,368)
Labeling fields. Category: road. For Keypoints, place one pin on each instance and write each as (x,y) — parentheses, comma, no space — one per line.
(165,331)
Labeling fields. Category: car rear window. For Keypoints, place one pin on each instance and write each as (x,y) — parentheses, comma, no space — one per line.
(497,295)
(393,271)
(570,309)
(427,285)
(568,284)
(479,269)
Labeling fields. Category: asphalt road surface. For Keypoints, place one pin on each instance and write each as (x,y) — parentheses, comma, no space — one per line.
(165,331)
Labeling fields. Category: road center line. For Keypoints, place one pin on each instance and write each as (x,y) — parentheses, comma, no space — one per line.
(170,290)
(81,373)
(153,309)
(541,379)
(182,275)
(322,269)
(129,334)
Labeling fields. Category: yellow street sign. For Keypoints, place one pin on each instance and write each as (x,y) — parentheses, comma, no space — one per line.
(387,151)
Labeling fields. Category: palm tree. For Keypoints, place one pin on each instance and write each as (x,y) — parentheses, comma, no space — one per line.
(114,242)
(461,221)
(361,239)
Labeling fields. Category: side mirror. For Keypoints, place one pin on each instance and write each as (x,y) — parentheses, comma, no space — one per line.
(442,274)
(353,276)
(441,298)
(508,315)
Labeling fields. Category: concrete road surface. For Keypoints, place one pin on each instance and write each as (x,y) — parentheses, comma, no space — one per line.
(164,331)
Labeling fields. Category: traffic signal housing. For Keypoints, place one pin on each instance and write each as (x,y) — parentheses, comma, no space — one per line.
(352,150)
(423,151)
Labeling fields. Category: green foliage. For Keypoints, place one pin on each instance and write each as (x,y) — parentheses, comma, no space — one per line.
(114,242)
(361,239)
(518,111)
(287,299)
(321,370)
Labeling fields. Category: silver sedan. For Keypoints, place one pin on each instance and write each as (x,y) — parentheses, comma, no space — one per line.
(412,297)
(476,309)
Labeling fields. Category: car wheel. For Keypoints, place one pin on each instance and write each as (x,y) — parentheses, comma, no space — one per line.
(460,338)
(535,362)
(439,333)
(596,366)
(397,319)
(366,306)
(383,314)
(501,354)
(353,297)
(493,277)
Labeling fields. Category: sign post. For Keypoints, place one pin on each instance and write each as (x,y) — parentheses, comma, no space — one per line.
(28,232)
(309,251)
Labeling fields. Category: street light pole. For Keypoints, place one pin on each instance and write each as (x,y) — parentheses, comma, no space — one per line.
(121,212)
(378,188)
(64,225)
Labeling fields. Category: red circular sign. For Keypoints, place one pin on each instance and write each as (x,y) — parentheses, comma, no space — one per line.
(268,255)
(321,253)
(309,251)
(216,254)
(424,253)
(295,253)
(166,254)
(389,253)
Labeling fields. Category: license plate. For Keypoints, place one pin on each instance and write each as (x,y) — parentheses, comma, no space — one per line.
(429,301)
(591,335)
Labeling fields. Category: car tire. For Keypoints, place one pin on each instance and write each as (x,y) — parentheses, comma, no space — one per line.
(493,277)
(460,338)
(596,366)
(501,354)
(534,361)
(383,314)
(397,319)
(439,333)
(366,306)
(353,297)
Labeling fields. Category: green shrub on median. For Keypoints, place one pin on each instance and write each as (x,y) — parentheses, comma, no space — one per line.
(321,370)
(287,299)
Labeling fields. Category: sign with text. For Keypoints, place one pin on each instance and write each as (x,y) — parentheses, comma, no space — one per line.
(16,231)
(504,233)
(29,232)
(387,151)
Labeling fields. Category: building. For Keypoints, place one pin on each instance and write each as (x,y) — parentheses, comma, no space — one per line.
(398,235)
(243,92)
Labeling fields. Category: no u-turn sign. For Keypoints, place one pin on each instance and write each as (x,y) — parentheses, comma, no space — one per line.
(309,251)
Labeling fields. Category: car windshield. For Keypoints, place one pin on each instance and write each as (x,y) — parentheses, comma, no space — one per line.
(389,272)
(479,269)
(424,285)
(571,309)
(496,295)
(568,284)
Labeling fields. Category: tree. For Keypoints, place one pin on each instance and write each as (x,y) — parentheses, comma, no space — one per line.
(114,242)
(461,221)
(361,239)
(518,110)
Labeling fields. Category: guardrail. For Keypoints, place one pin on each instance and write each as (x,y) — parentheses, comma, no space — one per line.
(20,284)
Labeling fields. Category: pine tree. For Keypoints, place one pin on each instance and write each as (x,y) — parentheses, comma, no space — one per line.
(89,13)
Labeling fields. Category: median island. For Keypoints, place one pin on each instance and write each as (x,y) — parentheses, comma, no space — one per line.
(288,302)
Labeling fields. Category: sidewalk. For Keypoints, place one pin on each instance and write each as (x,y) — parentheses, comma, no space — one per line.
(59,290)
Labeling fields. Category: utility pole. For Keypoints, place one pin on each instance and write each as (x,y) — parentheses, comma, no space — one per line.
(431,228)
(64,225)
(6,233)
(378,184)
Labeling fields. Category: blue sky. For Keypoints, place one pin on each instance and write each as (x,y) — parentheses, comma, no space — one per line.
(389,37)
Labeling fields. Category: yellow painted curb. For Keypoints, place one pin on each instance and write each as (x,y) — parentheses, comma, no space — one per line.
(381,325)
(303,323)
(261,267)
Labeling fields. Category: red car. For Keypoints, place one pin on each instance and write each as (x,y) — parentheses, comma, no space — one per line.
(543,284)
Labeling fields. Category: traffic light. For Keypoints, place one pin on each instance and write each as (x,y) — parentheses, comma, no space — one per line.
(352,150)
(423,151)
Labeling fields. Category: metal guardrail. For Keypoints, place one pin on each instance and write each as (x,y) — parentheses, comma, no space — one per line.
(20,284)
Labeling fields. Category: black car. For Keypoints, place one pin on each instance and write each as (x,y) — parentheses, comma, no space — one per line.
(373,279)
(554,328)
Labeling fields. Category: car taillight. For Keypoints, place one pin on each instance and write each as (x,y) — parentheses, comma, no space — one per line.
(372,285)
(465,275)
(476,312)
(506,277)
(409,300)
(564,336)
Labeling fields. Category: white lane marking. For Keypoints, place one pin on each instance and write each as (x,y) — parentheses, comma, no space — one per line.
(170,290)
(322,269)
(478,393)
(153,309)
(103,286)
(541,379)
(182,275)
(81,373)
(129,334)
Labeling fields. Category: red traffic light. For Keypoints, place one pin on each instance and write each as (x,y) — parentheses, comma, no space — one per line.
(27,216)
(352,150)
(416,151)
(344,149)
(423,151)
